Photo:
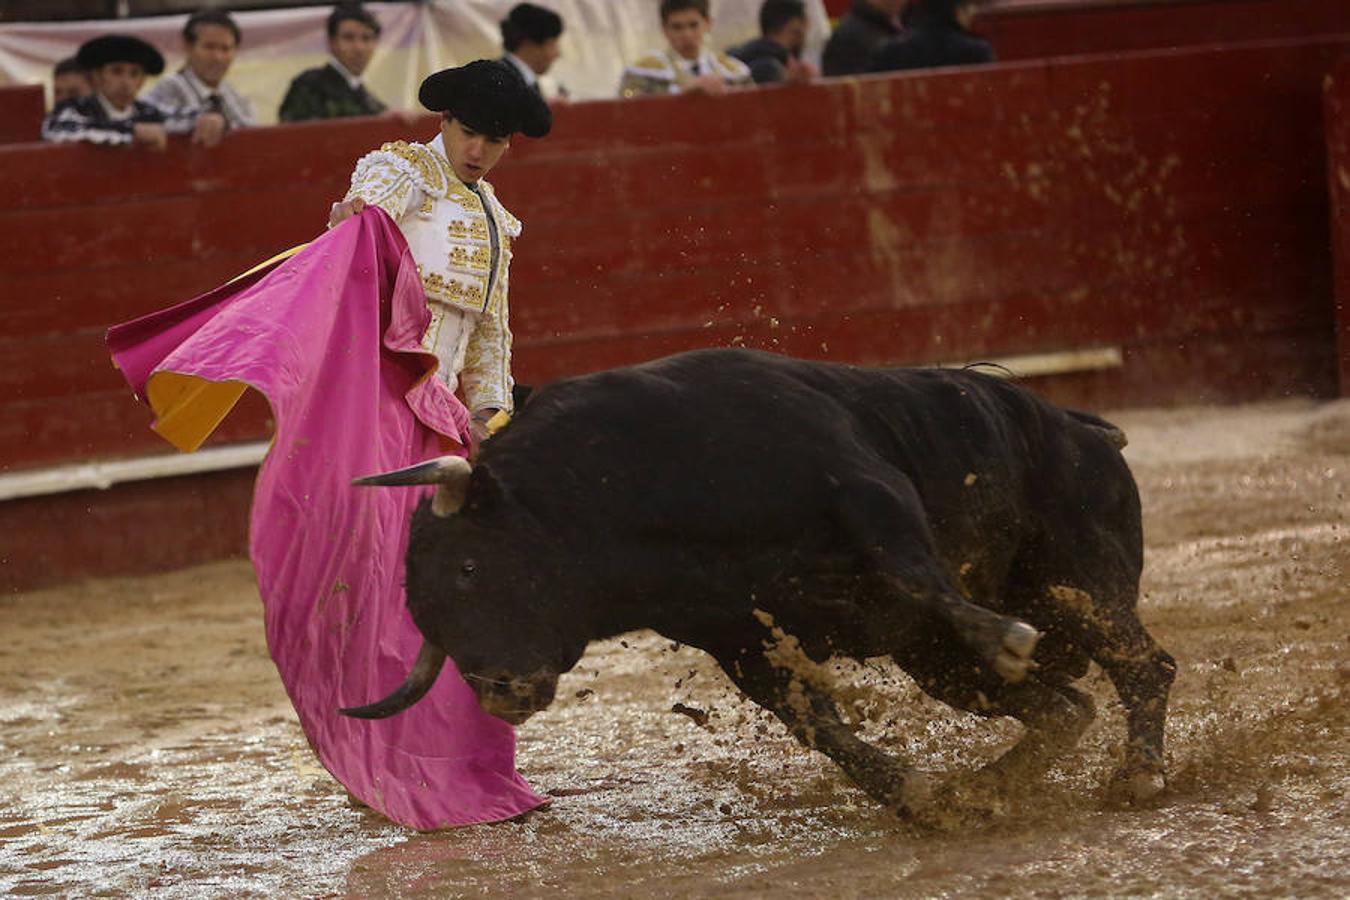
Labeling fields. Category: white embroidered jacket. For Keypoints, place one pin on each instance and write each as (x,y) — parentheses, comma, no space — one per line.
(662,72)
(452,232)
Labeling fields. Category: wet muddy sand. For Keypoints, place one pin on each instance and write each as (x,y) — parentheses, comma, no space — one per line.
(147,747)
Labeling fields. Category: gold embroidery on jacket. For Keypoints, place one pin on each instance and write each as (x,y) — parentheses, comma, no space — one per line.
(425,160)
(477,259)
(455,291)
(460,230)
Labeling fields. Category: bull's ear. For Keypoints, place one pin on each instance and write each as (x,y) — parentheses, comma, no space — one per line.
(486,491)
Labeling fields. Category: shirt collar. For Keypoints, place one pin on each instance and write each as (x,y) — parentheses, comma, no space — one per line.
(353,81)
(202,89)
(438,145)
(523,67)
(113,113)
(704,61)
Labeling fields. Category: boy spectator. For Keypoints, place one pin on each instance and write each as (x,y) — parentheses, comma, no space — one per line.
(938,35)
(69,82)
(861,31)
(775,55)
(335,90)
(530,37)
(117,65)
(684,66)
(196,98)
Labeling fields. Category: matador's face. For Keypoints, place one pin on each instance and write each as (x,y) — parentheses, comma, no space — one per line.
(472,154)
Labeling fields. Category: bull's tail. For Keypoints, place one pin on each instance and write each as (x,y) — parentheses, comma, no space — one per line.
(1112,434)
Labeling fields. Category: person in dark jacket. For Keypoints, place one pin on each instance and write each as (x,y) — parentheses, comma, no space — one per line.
(775,55)
(70,82)
(938,35)
(530,36)
(865,27)
(335,90)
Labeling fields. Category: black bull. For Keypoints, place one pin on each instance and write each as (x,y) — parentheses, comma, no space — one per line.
(987,541)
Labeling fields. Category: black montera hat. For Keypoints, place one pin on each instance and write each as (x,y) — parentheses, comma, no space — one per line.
(489,96)
(111,48)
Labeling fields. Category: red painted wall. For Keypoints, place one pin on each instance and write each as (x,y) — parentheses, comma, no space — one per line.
(1030,29)
(1337,97)
(1034,29)
(947,216)
(920,218)
(21,110)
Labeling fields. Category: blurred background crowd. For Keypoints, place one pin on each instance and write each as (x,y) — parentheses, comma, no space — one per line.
(249,62)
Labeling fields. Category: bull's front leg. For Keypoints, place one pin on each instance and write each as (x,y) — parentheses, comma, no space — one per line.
(812,717)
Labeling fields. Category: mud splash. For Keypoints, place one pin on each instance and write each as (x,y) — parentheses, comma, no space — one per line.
(146,745)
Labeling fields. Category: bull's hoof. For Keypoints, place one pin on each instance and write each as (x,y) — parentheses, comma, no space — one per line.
(909,794)
(970,800)
(915,795)
(1013,662)
(1135,786)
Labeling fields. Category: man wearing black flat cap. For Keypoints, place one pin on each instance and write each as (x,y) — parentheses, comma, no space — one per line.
(458,232)
(530,36)
(117,64)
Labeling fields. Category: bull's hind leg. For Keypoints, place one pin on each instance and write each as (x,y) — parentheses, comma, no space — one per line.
(1142,673)
(1104,622)
(812,718)
(887,524)
(1054,715)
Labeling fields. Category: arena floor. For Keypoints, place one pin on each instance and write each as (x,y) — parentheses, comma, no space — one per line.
(147,746)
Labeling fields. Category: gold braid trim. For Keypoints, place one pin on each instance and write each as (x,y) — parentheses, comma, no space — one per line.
(425,162)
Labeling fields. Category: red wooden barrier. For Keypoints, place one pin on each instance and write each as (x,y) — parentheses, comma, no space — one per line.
(1034,29)
(1338,165)
(928,217)
(21,110)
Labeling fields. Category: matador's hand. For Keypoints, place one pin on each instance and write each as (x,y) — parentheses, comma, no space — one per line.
(479,430)
(343,211)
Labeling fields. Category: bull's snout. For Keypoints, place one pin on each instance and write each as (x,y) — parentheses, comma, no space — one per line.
(513,699)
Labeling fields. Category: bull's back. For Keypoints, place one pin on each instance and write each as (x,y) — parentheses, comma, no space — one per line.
(726,440)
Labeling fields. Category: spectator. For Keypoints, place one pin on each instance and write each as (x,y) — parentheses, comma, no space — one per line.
(69,82)
(684,66)
(335,90)
(938,35)
(776,54)
(861,31)
(196,98)
(530,37)
(117,65)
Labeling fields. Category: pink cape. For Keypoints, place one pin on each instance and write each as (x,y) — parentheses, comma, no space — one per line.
(329,556)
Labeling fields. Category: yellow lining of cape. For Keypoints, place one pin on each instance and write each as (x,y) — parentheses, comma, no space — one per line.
(188,407)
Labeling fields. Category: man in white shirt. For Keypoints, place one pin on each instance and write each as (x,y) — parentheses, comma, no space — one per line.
(530,37)
(685,65)
(196,99)
(336,90)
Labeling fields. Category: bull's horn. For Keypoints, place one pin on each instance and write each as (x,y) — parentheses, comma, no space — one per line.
(430,659)
(450,472)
